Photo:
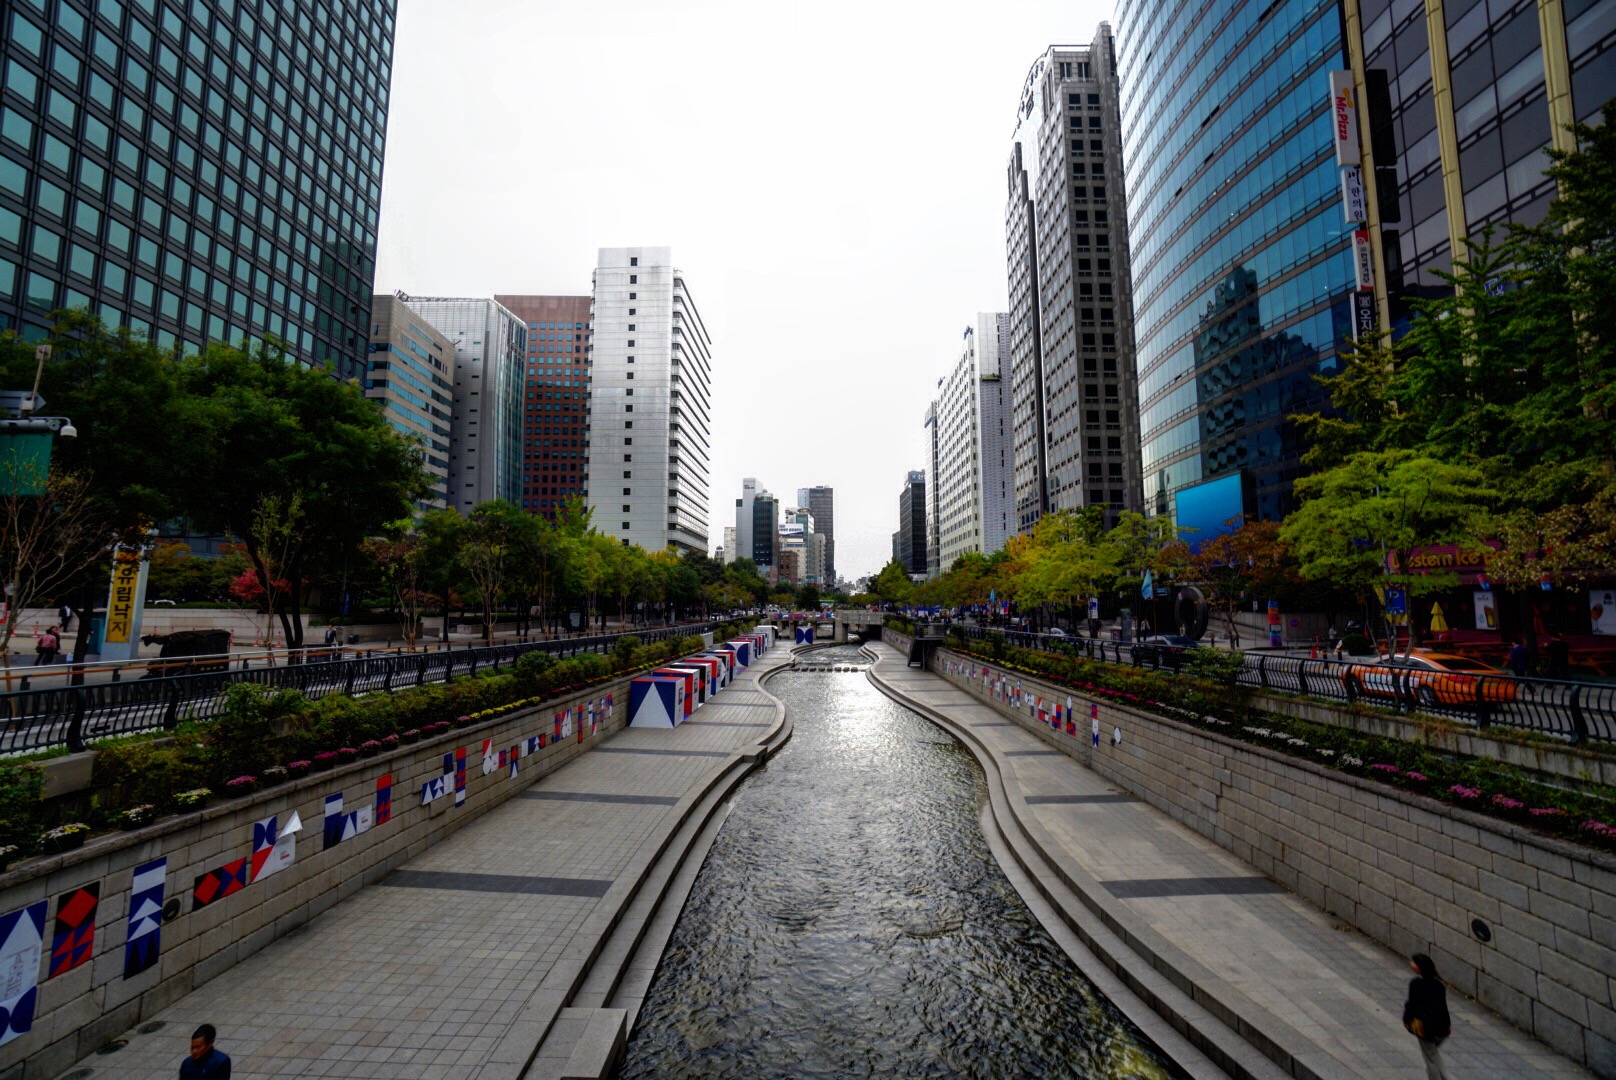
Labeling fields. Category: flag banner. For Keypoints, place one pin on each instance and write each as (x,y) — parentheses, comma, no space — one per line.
(73,937)
(516,752)
(384,799)
(333,820)
(22,943)
(143,939)
(263,842)
(460,775)
(489,761)
(217,884)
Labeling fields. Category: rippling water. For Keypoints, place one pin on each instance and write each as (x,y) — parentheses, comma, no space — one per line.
(850,921)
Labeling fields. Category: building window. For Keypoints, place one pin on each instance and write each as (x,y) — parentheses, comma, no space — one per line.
(634,279)
(634,260)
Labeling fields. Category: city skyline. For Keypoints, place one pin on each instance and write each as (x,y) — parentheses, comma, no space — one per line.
(759,247)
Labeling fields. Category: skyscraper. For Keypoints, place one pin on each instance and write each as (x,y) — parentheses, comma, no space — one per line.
(555,410)
(821,502)
(970,494)
(1073,391)
(1241,262)
(202,172)
(650,426)
(909,542)
(411,375)
(485,443)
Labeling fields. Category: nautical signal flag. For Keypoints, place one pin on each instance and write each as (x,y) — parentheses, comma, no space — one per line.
(264,836)
(460,775)
(218,884)
(22,940)
(73,939)
(490,760)
(143,940)
(384,799)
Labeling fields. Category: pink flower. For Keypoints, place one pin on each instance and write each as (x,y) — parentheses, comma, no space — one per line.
(1389,770)
(1504,802)
(1462,792)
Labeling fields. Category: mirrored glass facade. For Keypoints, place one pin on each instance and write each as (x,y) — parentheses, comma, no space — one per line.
(1241,267)
(199,170)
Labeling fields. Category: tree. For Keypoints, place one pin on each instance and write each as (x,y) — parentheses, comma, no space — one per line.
(401,559)
(808,598)
(1248,562)
(487,552)
(47,541)
(892,584)
(278,530)
(1380,501)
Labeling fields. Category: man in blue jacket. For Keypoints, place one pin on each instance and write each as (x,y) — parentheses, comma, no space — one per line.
(205,1063)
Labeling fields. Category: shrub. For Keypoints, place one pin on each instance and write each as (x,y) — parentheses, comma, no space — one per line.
(1216,665)
(1357,645)
(242,739)
(624,651)
(20,787)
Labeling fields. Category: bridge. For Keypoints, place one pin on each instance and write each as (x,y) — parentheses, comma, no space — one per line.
(858,622)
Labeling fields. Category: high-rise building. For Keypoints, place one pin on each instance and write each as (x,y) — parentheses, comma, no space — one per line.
(200,172)
(1241,267)
(765,531)
(727,551)
(485,442)
(909,543)
(970,497)
(1454,126)
(650,426)
(555,410)
(411,374)
(821,502)
(1073,390)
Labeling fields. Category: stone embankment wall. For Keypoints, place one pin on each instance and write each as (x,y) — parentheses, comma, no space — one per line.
(1409,871)
(80,1009)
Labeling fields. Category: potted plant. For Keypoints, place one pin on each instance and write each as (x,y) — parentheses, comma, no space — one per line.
(273,775)
(1600,834)
(412,735)
(389,742)
(67,837)
(137,817)
(195,799)
(324,760)
(463,721)
(298,769)
(241,785)
(346,755)
(370,747)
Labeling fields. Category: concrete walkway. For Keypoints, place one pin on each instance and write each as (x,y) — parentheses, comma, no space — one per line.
(469,958)
(1327,995)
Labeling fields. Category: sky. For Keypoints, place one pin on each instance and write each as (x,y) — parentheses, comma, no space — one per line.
(831,180)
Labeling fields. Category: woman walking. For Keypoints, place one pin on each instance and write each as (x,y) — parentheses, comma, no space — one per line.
(1425,1014)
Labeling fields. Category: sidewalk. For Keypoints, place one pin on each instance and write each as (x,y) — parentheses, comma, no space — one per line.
(1329,997)
(467,958)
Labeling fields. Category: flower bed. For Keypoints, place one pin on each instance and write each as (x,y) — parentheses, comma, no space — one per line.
(1485,787)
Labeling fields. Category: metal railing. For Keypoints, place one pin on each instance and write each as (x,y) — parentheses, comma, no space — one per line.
(1573,711)
(72,715)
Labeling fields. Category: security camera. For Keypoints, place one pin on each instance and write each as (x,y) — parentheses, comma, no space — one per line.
(68,432)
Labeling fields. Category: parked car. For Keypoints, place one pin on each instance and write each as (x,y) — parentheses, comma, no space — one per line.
(1164,650)
(1433,679)
(1055,631)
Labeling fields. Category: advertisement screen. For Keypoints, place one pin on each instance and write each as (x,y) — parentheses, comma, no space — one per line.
(1211,509)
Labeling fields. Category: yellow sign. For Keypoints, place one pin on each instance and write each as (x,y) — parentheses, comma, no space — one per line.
(121,605)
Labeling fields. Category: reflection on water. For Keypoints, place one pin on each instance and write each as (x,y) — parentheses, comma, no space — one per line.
(850,921)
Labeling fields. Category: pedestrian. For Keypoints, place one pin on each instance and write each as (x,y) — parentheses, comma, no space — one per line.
(205,1063)
(1559,658)
(65,615)
(1425,1014)
(330,636)
(45,648)
(1517,659)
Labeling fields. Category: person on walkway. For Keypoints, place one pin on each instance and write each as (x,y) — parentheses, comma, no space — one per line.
(64,615)
(205,1063)
(1559,658)
(45,648)
(1517,659)
(1425,1014)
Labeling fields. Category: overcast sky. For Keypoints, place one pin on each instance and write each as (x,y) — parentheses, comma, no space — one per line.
(830,177)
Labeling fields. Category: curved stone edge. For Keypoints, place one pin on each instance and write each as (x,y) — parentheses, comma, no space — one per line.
(1132,954)
(526,1048)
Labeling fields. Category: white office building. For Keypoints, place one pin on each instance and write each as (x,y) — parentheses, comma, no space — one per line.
(650,424)
(972,500)
(485,433)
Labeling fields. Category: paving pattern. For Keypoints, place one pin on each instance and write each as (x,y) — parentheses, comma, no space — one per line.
(420,976)
(1339,991)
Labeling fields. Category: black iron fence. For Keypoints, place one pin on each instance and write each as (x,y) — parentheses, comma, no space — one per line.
(1576,712)
(72,715)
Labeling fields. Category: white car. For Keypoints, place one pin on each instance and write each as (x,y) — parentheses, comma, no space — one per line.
(1055,631)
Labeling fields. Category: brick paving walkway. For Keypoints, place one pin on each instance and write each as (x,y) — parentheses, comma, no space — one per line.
(421,975)
(1333,992)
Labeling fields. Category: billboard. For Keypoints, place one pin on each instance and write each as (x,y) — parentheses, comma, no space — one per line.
(1212,509)
(1353,208)
(1344,118)
(1363,259)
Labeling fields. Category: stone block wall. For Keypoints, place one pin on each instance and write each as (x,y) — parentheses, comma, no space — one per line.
(1410,872)
(83,1008)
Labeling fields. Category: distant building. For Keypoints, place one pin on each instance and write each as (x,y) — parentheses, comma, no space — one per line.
(650,427)
(726,551)
(970,500)
(410,371)
(485,443)
(555,406)
(1074,395)
(909,543)
(821,502)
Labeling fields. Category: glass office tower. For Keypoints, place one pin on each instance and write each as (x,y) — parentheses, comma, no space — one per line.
(1241,267)
(201,171)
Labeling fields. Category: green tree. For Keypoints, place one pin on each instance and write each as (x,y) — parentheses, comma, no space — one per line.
(892,584)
